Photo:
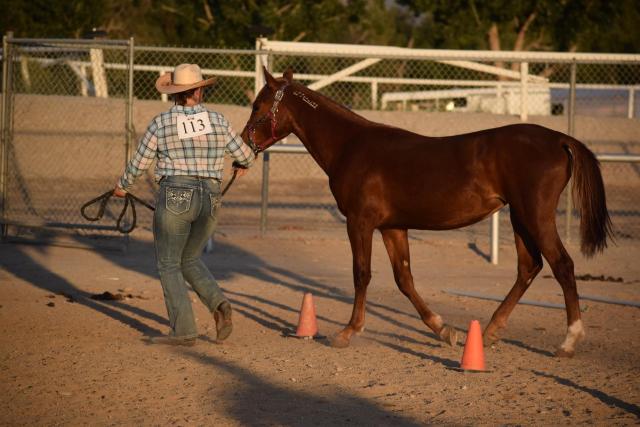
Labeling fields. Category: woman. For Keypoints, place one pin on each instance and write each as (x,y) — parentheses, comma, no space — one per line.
(188,143)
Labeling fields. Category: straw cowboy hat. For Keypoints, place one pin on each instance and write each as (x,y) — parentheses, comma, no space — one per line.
(184,77)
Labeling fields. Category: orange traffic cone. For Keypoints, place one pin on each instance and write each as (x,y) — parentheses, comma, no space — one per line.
(473,355)
(307,324)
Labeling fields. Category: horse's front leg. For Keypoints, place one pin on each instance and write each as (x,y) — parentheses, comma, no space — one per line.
(360,236)
(397,244)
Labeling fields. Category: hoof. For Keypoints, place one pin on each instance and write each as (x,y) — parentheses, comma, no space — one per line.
(564,353)
(449,335)
(339,342)
(489,339)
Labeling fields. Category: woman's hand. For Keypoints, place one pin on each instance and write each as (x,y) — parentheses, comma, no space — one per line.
(119,192)
(239,169)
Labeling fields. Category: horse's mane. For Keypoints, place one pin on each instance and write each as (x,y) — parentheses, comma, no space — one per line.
(332,105)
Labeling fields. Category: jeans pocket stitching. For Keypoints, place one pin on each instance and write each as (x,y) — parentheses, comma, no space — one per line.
(178,200)
(214,200)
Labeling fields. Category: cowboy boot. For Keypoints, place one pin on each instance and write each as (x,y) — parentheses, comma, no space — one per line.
(222,316)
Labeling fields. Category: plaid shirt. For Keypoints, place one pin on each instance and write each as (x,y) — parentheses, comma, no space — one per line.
(198,156)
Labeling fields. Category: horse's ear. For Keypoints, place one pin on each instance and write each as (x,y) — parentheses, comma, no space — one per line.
(288,75)
(271,81)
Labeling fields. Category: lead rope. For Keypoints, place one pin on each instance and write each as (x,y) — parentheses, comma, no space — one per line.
(129,199)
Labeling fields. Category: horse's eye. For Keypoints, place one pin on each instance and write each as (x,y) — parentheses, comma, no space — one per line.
(255,108)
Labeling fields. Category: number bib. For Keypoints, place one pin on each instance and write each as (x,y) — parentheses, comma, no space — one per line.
(193,125)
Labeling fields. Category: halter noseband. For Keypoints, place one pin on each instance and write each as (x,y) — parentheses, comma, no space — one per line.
(271,115)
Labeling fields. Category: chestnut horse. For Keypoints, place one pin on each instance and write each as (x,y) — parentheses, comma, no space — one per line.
(392,180)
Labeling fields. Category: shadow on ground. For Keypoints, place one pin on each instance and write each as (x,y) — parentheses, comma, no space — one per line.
(22,265)
(600,395)
(284,406)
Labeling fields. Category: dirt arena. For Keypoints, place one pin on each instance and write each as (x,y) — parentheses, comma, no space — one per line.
(69,359)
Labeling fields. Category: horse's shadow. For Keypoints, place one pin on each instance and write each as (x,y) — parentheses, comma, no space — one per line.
(527,347)
(600,395)
(227,261)
(447,363)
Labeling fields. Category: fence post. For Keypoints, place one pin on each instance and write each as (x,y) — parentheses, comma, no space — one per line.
(495,237)
(98,72)
(571,132)
(631,108)
(524,95)
(4,132)
(494,227)
(264,204)
(163,96)
(374,95)
(261,59)
(129,107)
(84,87)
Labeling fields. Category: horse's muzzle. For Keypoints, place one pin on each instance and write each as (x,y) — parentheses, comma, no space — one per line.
(247,136)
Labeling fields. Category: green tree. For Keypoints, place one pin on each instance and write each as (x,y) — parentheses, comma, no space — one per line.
(559,25)
(51,18)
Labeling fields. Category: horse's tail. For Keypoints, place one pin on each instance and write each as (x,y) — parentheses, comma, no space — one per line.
(589,196)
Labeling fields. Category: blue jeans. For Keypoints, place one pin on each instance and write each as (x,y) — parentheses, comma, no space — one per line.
(185,218)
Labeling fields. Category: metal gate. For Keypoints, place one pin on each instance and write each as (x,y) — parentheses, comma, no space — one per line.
(63,138)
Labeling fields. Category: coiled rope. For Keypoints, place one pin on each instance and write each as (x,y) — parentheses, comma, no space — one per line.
(129,200)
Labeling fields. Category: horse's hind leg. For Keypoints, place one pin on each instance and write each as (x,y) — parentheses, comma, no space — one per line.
(562,266)
(543,232)
(529,265)
(360,237)
(397,246)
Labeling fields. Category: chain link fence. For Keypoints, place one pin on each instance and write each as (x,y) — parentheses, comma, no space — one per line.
(64,131)
(74,111)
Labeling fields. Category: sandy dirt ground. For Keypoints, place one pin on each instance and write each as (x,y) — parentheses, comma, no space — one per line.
(68,359)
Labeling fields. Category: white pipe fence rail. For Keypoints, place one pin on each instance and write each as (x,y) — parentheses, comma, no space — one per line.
(526,81)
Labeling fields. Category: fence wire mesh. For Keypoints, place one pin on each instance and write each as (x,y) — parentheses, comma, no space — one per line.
(67,129)
(68,121)
(234,72)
